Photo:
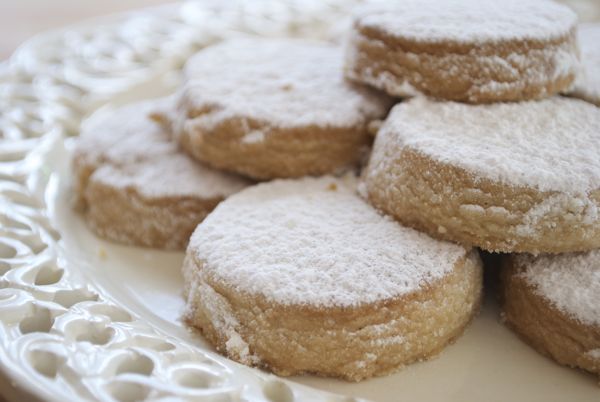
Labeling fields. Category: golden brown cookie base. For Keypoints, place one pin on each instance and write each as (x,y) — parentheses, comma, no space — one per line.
(279,153)
(351,343)
(124,216)
(127,217)
(548,330)
(475,73)
(449,203)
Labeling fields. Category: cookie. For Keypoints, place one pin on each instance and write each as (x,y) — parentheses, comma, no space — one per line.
(587,84)
(510,177)
(134,186)
(280,108)
(552,302)
(305,277)
(476,51)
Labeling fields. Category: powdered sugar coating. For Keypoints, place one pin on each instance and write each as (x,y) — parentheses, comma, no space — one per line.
(571,282)
(587,85)
(549,145)
(314,241)
(132,151)
(525,69)
(469,21)
(283,82)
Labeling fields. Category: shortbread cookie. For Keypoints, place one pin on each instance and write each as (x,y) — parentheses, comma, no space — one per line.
(304,276)
(269,108)
(135,187)
(553,303)
(475,51)
(521,177)
(587,84)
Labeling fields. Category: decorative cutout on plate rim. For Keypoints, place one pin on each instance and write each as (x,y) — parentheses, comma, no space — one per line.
(60,337)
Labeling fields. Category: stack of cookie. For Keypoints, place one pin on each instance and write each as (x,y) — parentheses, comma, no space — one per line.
(303,275)
(352,278)
(298,274)
(521,176)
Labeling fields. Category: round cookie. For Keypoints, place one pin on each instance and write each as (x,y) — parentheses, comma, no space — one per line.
(512,177)
(552,302)
(476,51)
(135,186)
(587,84)
(280,108)
(304,276)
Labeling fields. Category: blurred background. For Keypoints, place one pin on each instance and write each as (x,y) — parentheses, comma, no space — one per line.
(21,19)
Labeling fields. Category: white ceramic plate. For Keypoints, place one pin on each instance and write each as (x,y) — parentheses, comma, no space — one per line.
(83,319)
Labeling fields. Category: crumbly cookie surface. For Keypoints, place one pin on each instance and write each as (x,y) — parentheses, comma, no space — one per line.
(504,177)
(304,276)
(552,303)
(474,51)
(135,186)
(469,21)
(280,108)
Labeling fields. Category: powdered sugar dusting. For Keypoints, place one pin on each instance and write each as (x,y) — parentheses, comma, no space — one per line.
(571,282)
(594,354)
(134,151)
(513,72)
(557,206)
(316,242)
(550,145)
(285,82)
(253,137)
(224,321)
(469,21)
(587,85)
